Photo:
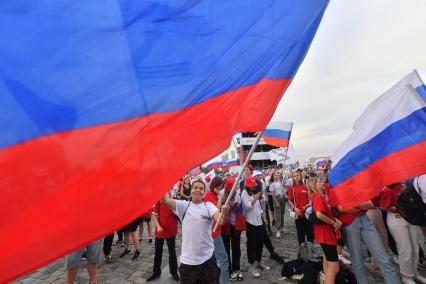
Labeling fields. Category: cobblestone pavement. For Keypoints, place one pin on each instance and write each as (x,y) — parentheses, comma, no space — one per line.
(127,271)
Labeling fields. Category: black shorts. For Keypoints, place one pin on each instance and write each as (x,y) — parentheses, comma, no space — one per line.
(330,252)
(271,203)
(132,227)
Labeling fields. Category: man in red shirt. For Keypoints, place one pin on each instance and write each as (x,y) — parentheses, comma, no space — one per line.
(165,229)
(357,228)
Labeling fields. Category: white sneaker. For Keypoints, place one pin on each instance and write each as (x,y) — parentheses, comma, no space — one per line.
(420,279)
(254,271)
(408,281)
(344,260)
(240,275)
(278,235)
(234,276)
(263,267)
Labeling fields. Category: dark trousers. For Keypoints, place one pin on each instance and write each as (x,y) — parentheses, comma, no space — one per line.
(305,230)
(268,218)
(205,273)
(227,243)
(159,242)
(108,244)
(236,248)
(120,234)
(254,242)
(267,240)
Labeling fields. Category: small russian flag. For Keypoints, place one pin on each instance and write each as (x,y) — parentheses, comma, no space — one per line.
(278,133)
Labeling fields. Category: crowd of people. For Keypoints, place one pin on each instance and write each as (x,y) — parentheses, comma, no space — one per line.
(257,208)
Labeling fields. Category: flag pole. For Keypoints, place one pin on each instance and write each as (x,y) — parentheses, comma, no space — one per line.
(240,174)
(286,149)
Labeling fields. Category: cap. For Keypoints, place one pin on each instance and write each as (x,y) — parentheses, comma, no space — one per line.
(257,173)
(250,182)
(229,184)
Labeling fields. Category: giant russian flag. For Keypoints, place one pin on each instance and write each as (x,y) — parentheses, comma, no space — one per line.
(100,98)
(278,133)
(387,145)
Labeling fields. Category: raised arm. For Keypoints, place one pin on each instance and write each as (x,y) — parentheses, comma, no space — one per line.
(168,202)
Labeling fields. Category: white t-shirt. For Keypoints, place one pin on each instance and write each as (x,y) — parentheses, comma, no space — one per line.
(277,188)
(289,182)
(420,186)
(252,213)
(197,242)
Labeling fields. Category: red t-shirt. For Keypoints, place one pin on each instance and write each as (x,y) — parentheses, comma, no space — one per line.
(346,218)
(302,198)
(327,189)
(212,198)
(167,220)
(389,196)
(324,234)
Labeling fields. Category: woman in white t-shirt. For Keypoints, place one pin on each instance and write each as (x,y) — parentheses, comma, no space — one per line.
(278,195)
(198,264)
(253,216)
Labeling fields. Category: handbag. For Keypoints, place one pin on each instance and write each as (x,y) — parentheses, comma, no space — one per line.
(292,212)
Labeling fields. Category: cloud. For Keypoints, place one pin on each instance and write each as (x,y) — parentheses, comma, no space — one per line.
(361,49)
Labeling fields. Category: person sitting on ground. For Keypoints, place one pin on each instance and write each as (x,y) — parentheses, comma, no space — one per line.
(198,264)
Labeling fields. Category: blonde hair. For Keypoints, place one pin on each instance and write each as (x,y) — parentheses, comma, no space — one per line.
(311,183)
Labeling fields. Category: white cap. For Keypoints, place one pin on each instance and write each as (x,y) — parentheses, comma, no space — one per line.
(257,173)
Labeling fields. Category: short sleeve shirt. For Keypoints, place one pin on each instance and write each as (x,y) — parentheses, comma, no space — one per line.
(324,234)
(197,242)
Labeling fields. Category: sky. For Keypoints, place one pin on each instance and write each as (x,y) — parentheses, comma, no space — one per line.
(361,49)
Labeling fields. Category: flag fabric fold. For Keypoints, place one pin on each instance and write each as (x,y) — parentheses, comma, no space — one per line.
(97,103)
(387,145)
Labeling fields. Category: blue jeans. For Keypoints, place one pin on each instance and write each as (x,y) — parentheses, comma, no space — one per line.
(221,259)
(363,230)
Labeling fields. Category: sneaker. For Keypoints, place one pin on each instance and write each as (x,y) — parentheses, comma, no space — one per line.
(109,259)
(408,281)
(375,270)
(136,255)
(344,260)
(263,267)
(153,277)
(240,276)
(254,271)
(175,277)
(234,276)
(125,252)
(420,279)
(278,258)
(278,235)
(149,241)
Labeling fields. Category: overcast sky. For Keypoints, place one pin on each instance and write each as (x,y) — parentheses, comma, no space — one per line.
(361,49)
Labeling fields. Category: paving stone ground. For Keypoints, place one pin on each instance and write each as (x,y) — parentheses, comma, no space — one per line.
(126,271)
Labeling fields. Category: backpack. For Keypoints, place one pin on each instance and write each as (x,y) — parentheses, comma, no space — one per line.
(310,272)
(345,276)
(292,267)
(411,206)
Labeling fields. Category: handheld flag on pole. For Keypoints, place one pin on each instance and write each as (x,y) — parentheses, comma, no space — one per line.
(96,102)
(387,145)
(278,133)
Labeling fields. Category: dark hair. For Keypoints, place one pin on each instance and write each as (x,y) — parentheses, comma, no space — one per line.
(216,181)
(301,178)
(199,181)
